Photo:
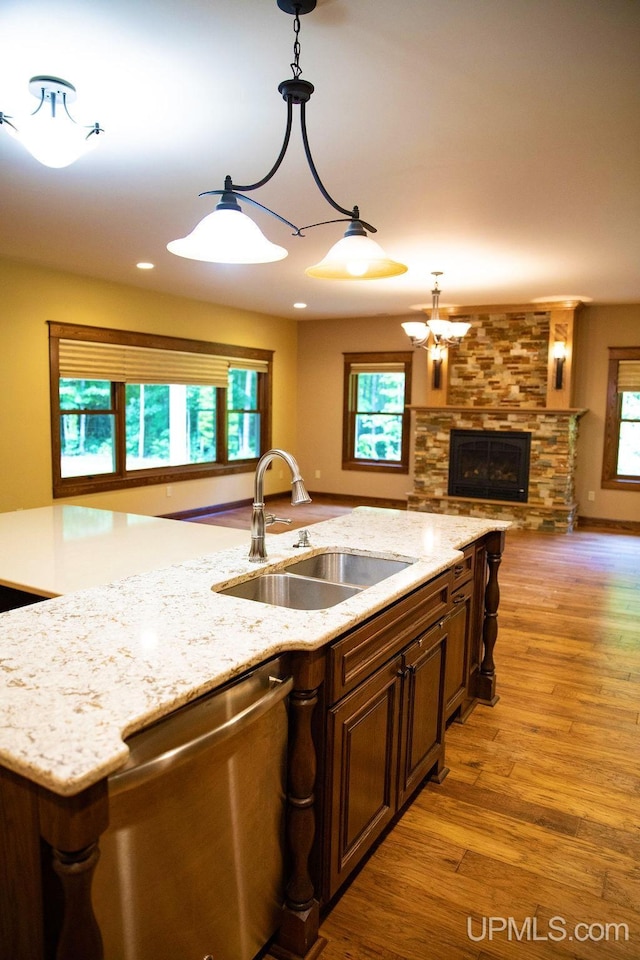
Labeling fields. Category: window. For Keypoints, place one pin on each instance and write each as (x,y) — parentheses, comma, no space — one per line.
(621,462)
(377,392)
(133,409)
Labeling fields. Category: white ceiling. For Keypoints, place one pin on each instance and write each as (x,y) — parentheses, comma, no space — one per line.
(496,140)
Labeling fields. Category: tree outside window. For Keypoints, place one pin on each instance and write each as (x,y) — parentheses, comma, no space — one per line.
(377,391)
(621,461)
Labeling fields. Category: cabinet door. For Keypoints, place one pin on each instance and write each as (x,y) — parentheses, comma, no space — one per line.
(422,736)
(363,736)
(458,643)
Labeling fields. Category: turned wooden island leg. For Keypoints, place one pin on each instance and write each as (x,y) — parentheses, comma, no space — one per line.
(486,687)
(298,934)
(45,890)
(71,827)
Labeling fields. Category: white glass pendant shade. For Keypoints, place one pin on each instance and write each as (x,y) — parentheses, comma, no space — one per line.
(440,328)
(227,236)
(356,257)
(55,141)
(416,329)
(459,329)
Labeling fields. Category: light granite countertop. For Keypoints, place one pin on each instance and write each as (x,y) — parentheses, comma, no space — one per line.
(80,672)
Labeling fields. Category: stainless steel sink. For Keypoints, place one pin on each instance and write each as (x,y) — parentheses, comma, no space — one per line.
(296,593)
(351,568)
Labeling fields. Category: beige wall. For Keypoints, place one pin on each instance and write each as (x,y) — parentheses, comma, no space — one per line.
(597,328)
(320,377)
(30,296)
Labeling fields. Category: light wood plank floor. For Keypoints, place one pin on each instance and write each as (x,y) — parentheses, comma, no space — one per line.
(539,817)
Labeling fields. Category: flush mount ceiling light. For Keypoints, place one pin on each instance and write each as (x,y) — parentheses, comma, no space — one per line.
(445,333)
(229,236)
(50,133)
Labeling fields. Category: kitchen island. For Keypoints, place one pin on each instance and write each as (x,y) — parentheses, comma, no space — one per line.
(83,671)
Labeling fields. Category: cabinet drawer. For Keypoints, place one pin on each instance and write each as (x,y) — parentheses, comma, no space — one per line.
(463,569)
(354,657)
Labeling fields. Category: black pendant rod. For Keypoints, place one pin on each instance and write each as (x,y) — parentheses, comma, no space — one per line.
(276,166)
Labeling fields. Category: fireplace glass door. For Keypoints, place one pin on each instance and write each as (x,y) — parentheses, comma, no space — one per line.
(489,464)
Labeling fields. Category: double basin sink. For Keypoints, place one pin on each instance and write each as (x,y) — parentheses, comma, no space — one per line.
(317,582)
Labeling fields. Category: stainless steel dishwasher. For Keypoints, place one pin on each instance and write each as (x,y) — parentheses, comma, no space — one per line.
(191,864)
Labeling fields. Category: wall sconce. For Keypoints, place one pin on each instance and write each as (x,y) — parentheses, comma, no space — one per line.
(50,133)
(436,366)
(559,354)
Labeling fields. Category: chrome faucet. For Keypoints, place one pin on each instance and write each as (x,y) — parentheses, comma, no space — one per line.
(259,520)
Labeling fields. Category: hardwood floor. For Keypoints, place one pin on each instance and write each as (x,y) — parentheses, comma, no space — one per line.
(539,817)
(538,823)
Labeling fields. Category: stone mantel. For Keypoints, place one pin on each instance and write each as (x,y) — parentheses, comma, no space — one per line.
(525,411)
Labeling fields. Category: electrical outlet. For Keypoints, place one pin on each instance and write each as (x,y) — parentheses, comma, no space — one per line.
(169,491)
(317,475)
(591,495)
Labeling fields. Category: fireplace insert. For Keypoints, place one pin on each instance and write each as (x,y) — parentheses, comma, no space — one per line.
(489,464)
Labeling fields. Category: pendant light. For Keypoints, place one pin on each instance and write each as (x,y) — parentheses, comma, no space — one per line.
(50,133)
(228,235)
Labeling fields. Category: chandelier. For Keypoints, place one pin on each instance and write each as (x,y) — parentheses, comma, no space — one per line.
(228,235)
(445,333)
(50,133)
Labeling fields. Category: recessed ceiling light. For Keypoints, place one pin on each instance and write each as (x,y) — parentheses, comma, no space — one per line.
(145,266)
(300,306)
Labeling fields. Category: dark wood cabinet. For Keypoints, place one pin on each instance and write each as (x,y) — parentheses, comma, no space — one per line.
(386,733)
(422,719)
(464,634)
(459,623)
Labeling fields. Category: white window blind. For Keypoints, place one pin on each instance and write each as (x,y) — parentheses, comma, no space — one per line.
(629,376)
(377,367)
(241,363)
(97,360)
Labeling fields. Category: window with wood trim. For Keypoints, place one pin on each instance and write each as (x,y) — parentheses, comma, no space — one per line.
(376,416)
(130,409)
(621,462)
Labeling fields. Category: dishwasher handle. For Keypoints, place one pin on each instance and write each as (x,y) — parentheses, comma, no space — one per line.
(135,776)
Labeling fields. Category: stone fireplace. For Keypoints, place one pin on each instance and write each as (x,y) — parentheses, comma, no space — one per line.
(500,383)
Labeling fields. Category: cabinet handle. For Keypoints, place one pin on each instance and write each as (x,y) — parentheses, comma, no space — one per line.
(459,598)
(458,568)
(406,672)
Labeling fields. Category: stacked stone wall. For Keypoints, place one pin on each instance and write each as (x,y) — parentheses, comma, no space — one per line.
(501,362)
